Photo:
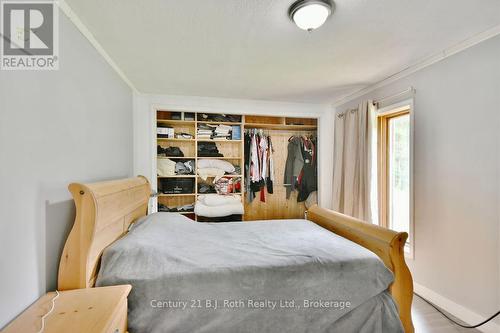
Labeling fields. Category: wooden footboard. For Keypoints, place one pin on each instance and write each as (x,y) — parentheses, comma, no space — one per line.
(387,244)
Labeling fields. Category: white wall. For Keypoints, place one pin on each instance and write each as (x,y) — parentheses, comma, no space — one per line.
(144,124)
(56,127)
(457,184)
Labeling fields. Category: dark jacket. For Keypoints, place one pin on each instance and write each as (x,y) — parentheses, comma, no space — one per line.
(294,164)
(308,178)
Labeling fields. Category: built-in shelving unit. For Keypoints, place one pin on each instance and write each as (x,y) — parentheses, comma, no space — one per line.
(233,150)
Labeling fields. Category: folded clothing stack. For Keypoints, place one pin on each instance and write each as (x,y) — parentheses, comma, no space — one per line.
(169,151)
(166,167)
(219,117)
(183,135)
(208,149)
(214,132)
(205,131)
(222,132)
(215,205)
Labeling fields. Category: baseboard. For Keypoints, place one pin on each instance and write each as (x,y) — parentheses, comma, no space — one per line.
(456,310)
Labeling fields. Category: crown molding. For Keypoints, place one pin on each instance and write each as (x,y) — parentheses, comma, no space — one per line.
(66,9)
(419,65)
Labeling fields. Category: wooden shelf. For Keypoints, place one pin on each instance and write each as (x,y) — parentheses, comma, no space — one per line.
(227,176)
(282,127)
(210,122)
(178,176)
(228,141)
(218,158)
(175,122)
(176,157)
(177,195)
(238,193)
(176,140)
(184,213)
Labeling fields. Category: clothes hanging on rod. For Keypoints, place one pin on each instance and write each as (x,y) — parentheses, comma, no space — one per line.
(270,167)
(301,167)
(259,164)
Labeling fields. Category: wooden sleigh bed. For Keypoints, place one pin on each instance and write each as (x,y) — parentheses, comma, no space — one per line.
(105,211)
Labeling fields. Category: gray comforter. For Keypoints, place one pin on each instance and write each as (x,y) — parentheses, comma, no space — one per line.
(267,276)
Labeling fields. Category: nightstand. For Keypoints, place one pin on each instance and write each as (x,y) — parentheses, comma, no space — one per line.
(93,310)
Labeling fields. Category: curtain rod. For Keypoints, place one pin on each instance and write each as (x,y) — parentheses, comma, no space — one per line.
(406,91)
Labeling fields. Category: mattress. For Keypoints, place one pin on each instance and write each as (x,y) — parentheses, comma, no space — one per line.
(264,276)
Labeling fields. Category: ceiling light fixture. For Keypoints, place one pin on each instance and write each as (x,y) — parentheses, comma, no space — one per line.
(310,14)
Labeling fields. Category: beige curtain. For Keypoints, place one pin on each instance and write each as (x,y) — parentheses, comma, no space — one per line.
(352,162)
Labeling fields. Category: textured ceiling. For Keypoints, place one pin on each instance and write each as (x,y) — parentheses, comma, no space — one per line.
(250,49)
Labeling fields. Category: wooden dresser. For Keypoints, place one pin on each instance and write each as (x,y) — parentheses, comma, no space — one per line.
(92,310)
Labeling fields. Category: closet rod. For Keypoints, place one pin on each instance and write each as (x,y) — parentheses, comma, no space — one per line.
(406,91)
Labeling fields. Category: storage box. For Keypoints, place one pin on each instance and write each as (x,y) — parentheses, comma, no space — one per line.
(165,132)
(176,186)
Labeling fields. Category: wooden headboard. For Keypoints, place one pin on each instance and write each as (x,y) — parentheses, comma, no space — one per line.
(104,212)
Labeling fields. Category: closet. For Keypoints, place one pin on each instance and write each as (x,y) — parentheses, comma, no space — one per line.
(186,140)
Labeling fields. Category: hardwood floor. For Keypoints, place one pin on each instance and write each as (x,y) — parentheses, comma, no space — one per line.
(427,320)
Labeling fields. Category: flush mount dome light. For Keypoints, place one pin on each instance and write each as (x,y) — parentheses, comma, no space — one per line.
(310,14)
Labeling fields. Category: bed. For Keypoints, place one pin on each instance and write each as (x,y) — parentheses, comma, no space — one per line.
(329,273)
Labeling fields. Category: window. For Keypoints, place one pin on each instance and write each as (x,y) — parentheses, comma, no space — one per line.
(394,171)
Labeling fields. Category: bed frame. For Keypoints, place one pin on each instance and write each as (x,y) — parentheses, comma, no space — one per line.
(104,212)
(387,244)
